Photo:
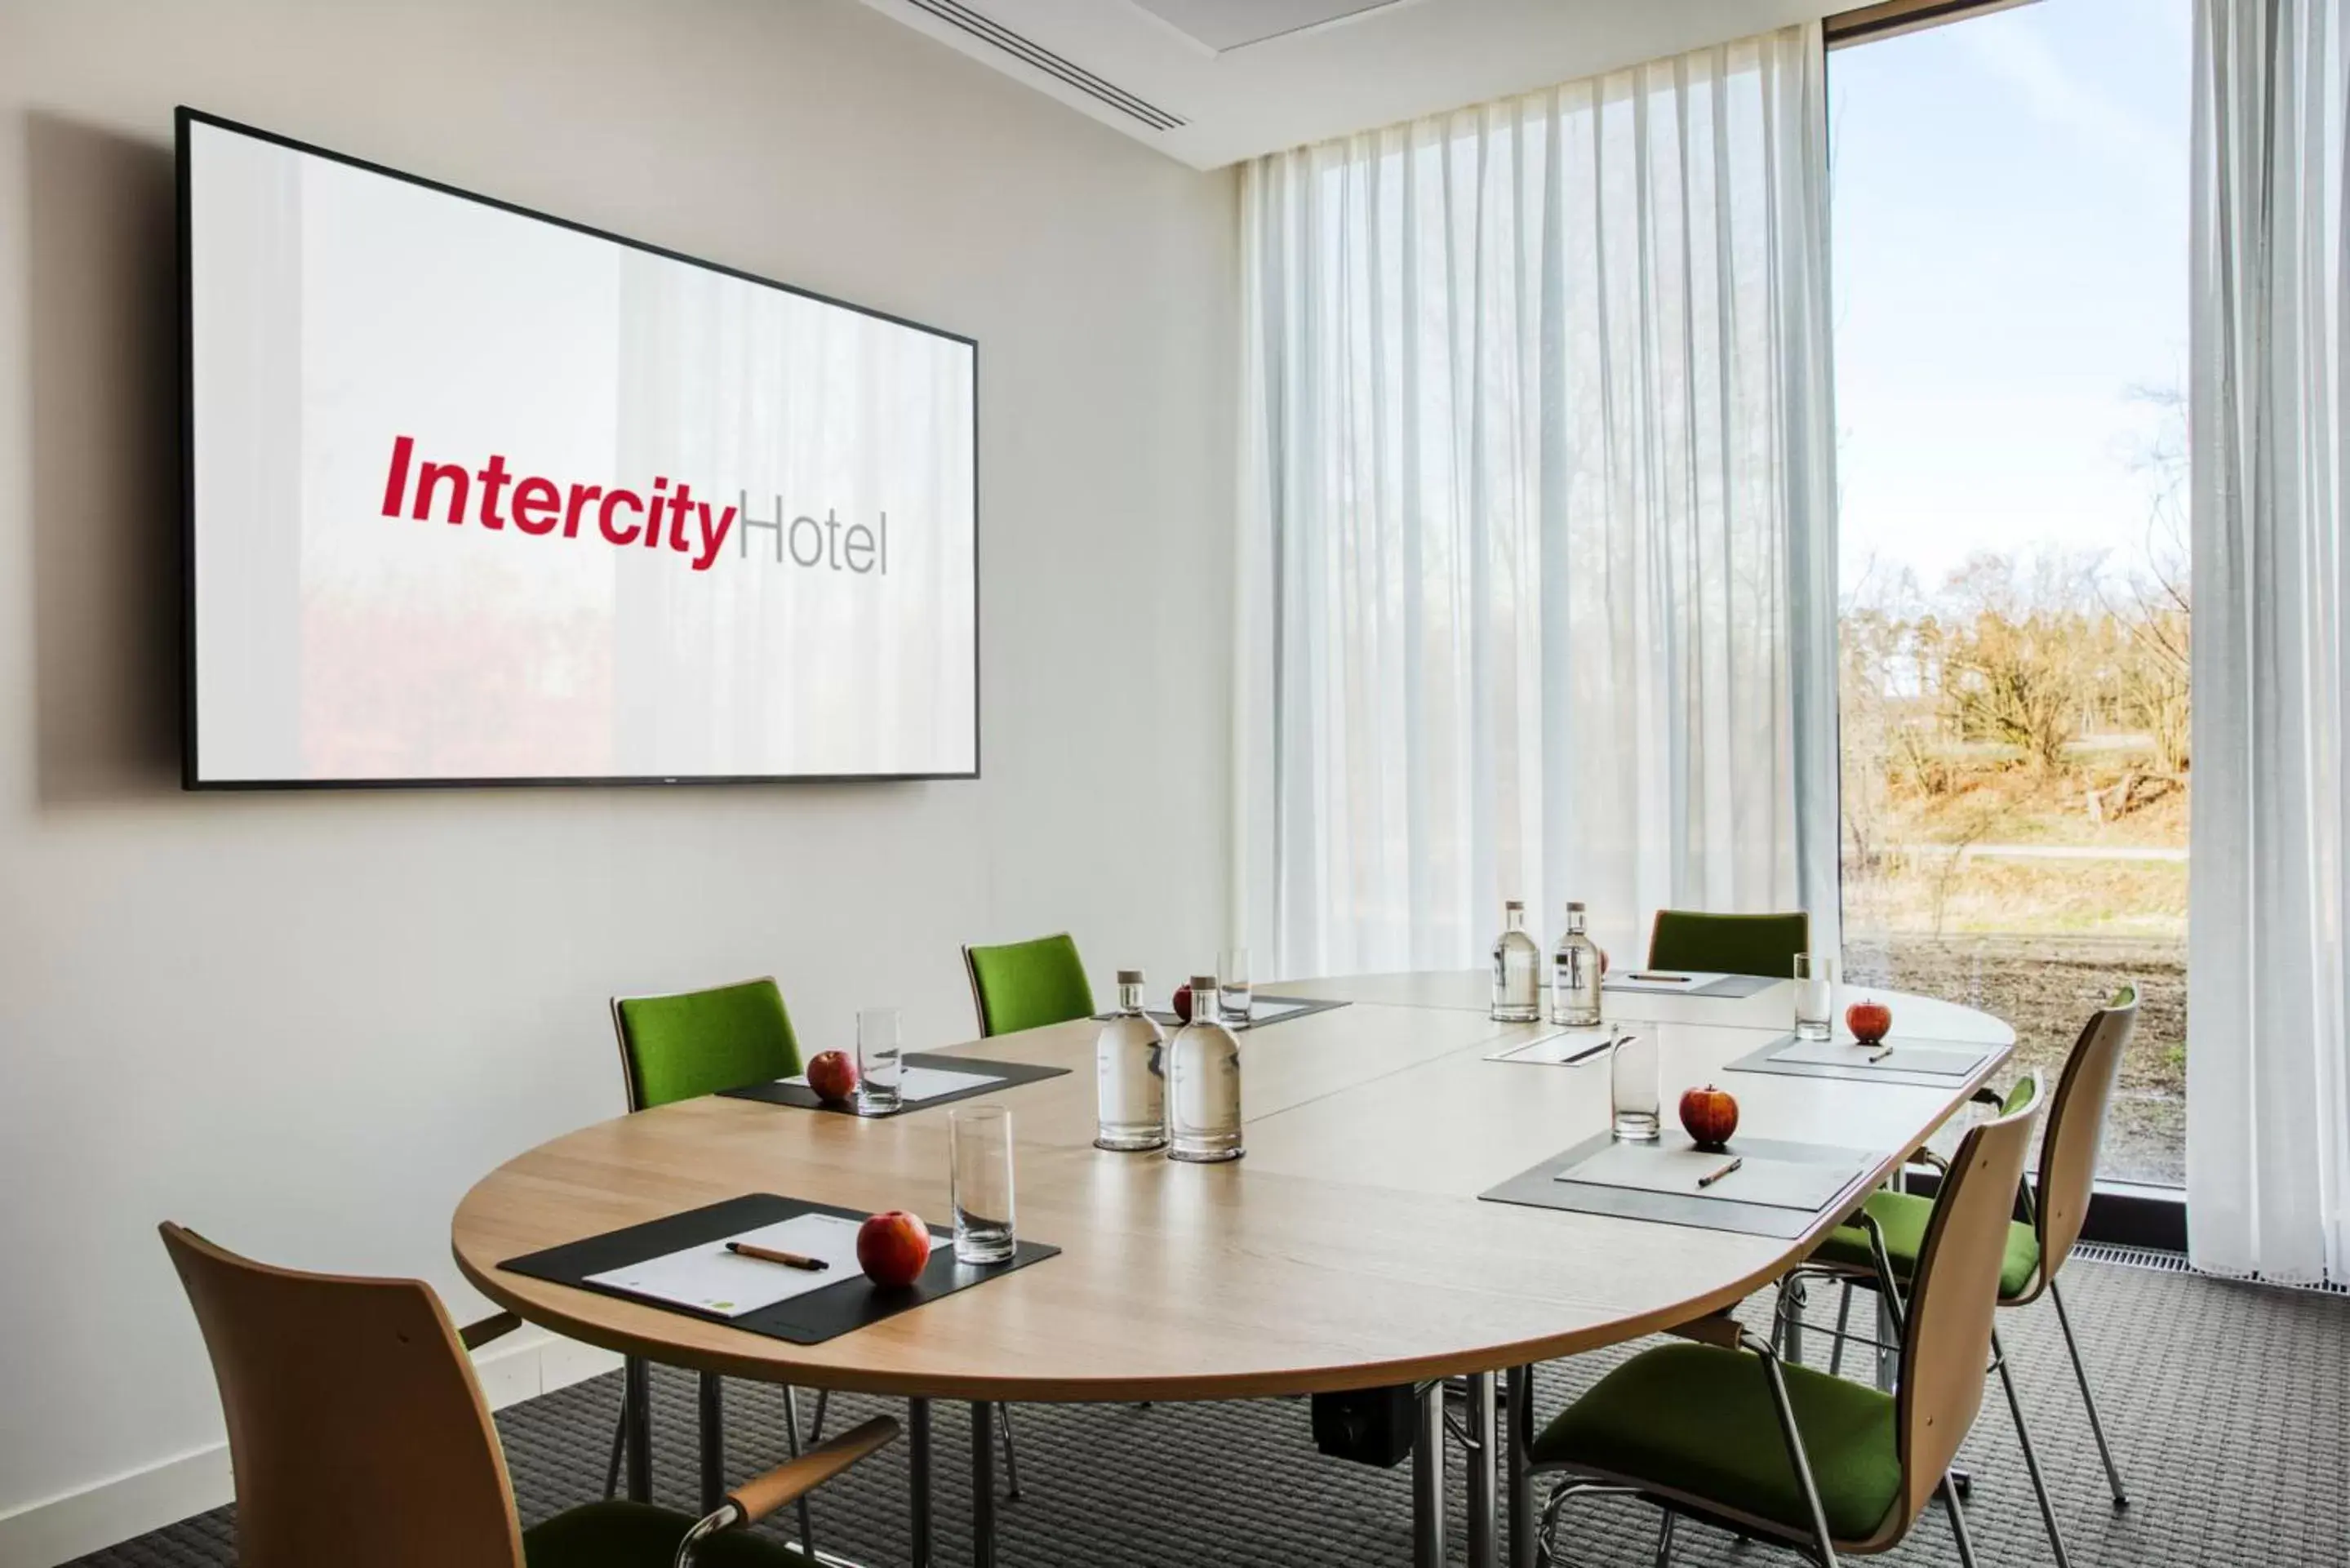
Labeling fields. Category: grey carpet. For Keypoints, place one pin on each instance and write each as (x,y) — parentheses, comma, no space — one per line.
(2227,1403)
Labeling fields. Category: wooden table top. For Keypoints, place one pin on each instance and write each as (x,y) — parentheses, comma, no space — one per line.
(1347,1250)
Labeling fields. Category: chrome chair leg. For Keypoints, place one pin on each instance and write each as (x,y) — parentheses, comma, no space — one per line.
(1794,1436)
(815,1427)
(619,1444)
(1665,1540)
(1011,1459)
(1844,1317)
(2031,1457)
(792,1437)
(1950,1505)
(2081,1372)
(1545,1542)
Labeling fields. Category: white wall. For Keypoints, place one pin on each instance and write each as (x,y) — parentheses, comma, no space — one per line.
(305,1024)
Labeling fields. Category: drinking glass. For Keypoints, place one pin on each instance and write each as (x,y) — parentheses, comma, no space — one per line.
(1635,1089)
(878,1071)
(1814,996)
(1233,997)
(978,1145)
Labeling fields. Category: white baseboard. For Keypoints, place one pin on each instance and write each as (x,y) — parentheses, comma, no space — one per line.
(43,1534)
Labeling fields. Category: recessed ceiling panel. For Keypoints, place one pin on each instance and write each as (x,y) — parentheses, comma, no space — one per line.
(1226,24)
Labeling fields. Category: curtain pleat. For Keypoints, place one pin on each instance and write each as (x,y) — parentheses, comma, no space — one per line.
(2268,1061)
(1539,486)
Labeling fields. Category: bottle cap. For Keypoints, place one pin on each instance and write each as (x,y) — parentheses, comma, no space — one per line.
(1574,906)
(1203,983)
(1515,904)
(1129,977)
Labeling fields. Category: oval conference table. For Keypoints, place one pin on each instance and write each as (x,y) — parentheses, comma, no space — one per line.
(1348,1250)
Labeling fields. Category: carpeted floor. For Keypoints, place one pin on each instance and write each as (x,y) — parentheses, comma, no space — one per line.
(2227,1403)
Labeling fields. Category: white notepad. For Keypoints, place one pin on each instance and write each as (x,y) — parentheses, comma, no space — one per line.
(1678,983)
(709,1278)
(1799,1185)
(918,1084)
(1565,1046)
(1926,1059)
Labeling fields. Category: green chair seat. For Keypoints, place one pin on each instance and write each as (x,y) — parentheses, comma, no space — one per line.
(700,1041)
(638,1535)
(1027,985)
(1694,941)
(1698,1419)
(1903,1217)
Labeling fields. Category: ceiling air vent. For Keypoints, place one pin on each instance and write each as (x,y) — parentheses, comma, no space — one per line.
(1043,59)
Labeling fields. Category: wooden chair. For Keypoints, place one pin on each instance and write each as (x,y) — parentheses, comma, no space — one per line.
(2036,1245)
(1721,1432)
(359,1438)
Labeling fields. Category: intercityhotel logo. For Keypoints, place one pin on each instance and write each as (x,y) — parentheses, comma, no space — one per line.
(650,520)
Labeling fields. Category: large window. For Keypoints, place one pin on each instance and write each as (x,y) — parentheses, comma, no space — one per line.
(2010,197)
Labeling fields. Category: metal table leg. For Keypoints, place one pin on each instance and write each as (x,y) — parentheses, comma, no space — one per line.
(1484,1473)
(1519,1418)
(982,1484)
(1427,1480)
(918,1478)
(637,1385)
(713,1442)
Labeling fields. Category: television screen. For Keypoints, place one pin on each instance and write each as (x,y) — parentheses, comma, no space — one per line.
(478,497)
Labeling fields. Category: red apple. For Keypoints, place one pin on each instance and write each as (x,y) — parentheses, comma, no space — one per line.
(833,1075)
(1868,1021)
(893,1249)
(1709,1116)
(1184,1002)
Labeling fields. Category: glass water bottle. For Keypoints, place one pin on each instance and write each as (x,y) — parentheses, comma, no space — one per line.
(1575,976)
(1517,969)
(1635,1089)
(1129,1068)
(1203,1084)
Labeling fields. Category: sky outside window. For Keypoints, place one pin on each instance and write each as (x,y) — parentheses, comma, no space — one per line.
(2010,267)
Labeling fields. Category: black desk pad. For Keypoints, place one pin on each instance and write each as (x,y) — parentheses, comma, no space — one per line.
(839,1308)
(1537,1188)
(1723,986)
(1008,1076)
(1300,1006)
(1760,1062)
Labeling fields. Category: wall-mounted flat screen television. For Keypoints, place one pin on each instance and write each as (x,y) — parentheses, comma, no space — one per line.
(476,496)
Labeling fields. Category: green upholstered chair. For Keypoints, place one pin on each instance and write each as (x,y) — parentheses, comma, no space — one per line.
(2037,1245)
(1694,941)
(695,1043)
(1027,985)
(680,1046)
(1718,1431)
(359,1438)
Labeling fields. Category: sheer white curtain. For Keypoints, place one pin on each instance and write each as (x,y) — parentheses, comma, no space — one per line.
(1538,546)
(2268,1061)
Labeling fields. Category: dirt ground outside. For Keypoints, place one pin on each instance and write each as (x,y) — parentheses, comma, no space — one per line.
(2045,986)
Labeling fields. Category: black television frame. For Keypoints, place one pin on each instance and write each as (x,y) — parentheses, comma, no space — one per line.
(184,120)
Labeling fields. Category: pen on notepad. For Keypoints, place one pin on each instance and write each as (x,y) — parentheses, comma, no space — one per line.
(770,1255)
(1711,1177)
(1664,979)
(1880,1054)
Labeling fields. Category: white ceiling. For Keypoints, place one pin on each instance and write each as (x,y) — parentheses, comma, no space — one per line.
(1251,77)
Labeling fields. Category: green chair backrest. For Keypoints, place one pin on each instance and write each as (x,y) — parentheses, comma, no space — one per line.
(1692,940)
(700,1041)
(1026,985)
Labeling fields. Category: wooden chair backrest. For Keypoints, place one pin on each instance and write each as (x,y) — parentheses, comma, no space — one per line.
(2077,1131)
(1946,1344)
(357,1431)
